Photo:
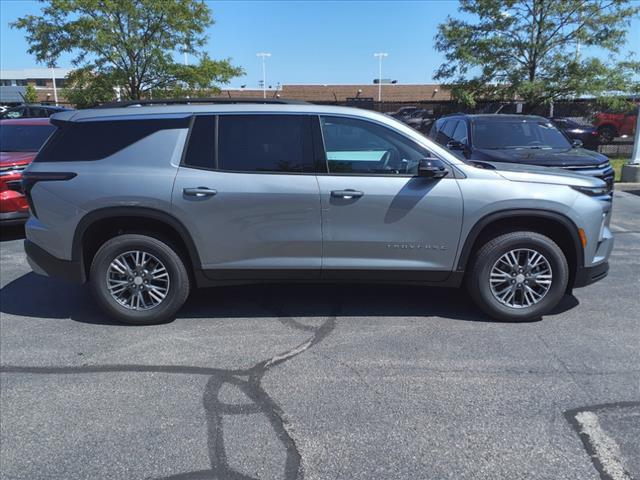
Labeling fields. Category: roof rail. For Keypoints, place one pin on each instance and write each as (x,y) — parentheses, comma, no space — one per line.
(205,100)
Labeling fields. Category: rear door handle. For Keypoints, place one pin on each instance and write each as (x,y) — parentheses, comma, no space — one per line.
(199,192)
(348,194)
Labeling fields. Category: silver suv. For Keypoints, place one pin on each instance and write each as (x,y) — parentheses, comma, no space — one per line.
(146,202)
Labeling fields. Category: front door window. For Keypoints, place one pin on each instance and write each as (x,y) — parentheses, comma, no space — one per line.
(366,148)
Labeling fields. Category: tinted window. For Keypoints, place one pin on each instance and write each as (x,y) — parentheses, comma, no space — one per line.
(516,133)
(448,128)
(460,133)
(358,146)
(437,125)
(200,152)
(14,112)
(265,143)
(23,138)
(84,141)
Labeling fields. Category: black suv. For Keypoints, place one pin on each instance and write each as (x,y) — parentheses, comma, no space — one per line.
(524,139)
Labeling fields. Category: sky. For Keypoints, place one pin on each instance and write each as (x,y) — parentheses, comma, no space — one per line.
(311,42)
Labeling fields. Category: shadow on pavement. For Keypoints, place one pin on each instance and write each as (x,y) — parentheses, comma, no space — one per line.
(32,295)
(12,232)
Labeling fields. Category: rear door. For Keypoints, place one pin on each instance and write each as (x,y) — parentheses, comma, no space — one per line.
(247,192)
(381,221)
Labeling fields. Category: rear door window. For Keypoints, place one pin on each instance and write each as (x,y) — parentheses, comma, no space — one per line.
(201,149)
(265,143)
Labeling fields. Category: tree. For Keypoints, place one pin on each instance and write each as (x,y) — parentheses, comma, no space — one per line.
(30,94)
(531,49)
(126,44)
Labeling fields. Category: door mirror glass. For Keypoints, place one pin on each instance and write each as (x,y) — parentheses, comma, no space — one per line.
(432,168)
(577,143)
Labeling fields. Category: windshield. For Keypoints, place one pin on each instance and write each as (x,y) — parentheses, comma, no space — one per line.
(492,134)
(23,138)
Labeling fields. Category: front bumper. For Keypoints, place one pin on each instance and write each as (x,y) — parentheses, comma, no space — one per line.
(43,263)
(588,275)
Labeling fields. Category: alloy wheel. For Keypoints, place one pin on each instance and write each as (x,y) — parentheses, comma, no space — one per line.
(137,280)
(521,278)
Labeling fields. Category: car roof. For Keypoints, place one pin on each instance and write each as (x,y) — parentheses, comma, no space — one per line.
(121,113)
(25,121)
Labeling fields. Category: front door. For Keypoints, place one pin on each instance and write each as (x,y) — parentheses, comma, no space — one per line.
(253,208)
(379,220)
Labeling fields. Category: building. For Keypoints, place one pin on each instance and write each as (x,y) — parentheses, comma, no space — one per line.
(13,83)
(393,93)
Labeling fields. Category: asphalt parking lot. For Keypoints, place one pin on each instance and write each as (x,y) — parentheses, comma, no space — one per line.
(322,382)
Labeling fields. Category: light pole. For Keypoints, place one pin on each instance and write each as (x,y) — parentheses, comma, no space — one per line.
(631,171)
(264,56)
(55,90)
(380,56)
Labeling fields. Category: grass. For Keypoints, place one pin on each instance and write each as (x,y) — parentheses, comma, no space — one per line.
(617,164)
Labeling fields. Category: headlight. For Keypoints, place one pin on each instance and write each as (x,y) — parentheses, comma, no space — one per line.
(592,191)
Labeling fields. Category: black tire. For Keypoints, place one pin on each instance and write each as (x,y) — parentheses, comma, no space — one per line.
(478,277)
(177,289)
(606,134)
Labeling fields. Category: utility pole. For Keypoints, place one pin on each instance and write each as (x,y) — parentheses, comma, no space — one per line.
(264,56)
(380,56)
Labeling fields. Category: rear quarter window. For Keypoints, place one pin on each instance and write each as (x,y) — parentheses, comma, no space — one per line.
(89,141)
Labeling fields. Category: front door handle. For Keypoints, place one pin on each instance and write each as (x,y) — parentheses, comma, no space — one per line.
(199,192)
(347,194)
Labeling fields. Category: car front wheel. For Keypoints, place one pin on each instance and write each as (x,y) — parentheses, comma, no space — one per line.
(518,276)
(138,279)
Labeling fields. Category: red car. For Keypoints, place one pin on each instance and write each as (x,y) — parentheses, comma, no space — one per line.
(612,125)
(20,140)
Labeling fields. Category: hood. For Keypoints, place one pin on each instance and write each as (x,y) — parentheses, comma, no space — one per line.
(14,158)
(554,157)
(533,174)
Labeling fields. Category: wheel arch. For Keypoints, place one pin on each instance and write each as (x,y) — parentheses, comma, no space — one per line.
(556,226)
(102,224)
(608,125)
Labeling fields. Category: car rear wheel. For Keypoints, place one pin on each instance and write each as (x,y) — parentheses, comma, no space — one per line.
(606,134)
(518,276)
(139,279)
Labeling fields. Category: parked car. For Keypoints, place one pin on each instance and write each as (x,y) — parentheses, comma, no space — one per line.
(20,140)
(522,139)
(145,203)
(612,125)
(420,119)
(31,111)
(403,112)
(587,134)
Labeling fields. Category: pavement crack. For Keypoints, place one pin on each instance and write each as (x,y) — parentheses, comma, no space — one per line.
(248,381)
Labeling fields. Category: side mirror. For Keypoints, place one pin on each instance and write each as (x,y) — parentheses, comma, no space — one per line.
(432,168)
(455,145)
(576,143)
